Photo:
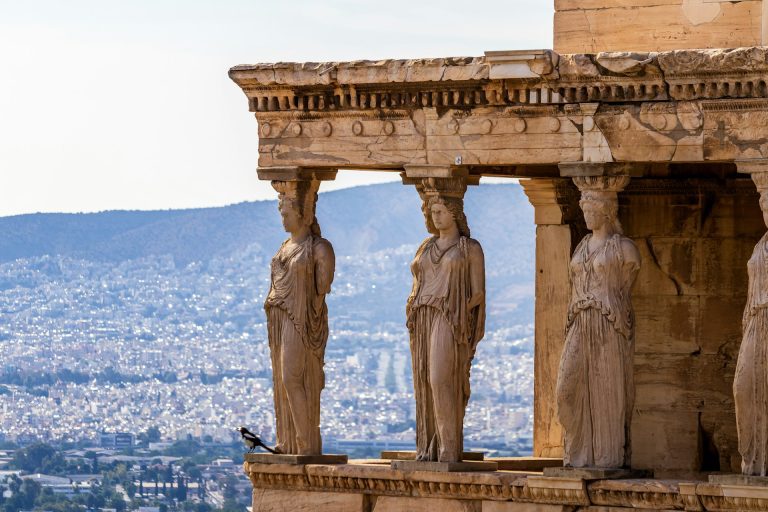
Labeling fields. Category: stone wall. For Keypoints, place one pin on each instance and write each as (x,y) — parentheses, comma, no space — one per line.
(695,237)
(375,487)
(591,26)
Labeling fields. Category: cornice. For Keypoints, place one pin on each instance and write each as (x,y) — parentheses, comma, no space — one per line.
(506,79)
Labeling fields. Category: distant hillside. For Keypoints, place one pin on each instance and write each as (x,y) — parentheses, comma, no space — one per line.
(164,312)
(357,221)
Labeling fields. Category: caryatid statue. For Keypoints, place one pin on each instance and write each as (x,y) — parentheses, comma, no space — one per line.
(446,320)
(750,384)
(297,319)
(595,388)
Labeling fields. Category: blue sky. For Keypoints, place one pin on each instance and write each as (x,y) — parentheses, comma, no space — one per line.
(127,105)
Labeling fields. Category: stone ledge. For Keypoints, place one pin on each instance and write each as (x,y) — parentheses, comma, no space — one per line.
(539,76)
(296,460)
(444,467)
(409,455)
(594,473)
(501,490)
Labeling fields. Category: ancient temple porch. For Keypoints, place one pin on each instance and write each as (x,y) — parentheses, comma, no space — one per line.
(687,126)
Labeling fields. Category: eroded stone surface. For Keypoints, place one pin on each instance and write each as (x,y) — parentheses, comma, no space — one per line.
(391,504)
(595,388)
(751,380)
(503,506)
(619,25)
(297,321)
(448,283)
(270,500)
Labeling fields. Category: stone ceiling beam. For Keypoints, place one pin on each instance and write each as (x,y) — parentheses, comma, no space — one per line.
(295,174)
(520,109)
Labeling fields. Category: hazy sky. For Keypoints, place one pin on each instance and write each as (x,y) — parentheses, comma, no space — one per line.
(110,104)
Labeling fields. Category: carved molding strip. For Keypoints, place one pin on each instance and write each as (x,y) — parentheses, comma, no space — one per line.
(466,82)
(504,486)
(734,105)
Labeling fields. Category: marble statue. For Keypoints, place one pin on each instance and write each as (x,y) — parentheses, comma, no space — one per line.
(595,391)
(297,319)
(750,384)
(446,320)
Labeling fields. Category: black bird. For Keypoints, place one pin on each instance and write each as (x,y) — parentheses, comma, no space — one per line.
(251,440)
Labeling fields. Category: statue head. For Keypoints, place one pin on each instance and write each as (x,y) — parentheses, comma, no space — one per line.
(600,210)
(599,201)
(761,182)
(296,203)
(446,210)
(764,206)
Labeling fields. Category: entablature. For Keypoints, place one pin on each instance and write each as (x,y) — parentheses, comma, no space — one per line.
(512,110)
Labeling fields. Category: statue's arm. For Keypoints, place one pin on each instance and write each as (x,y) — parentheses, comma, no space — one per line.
(631,262)
(325,265)
(476,275)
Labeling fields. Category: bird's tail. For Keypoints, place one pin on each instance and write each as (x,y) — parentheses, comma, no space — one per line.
(270,450)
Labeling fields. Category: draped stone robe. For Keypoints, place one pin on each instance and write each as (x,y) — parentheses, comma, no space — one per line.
(444,334)
(595,391)
(750,384)
(297,316)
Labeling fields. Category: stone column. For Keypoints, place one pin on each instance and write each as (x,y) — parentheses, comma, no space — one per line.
(445,314)
(559,225)
(595,381)
(297,317)
(750,385)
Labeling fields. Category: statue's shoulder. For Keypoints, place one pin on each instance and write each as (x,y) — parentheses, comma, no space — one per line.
(471,242)
(320,244)
(625,241)
(424,243)
(474,247)
(629,248)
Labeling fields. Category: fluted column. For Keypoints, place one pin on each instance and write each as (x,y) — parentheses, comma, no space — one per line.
(559,226)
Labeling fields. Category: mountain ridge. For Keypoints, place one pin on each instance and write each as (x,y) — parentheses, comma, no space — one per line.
(356,220)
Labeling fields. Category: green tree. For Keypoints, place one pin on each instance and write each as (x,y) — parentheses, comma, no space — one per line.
(25,493)
(230,487)
(186,448)
(117,503)
(130,489)
(94,458)
(232,506)
(153,434)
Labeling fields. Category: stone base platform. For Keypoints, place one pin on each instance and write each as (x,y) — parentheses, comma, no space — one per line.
(594,473)
(281,458)
(443,467)
(526,463)
(749,480)
(408,455)
(366,487)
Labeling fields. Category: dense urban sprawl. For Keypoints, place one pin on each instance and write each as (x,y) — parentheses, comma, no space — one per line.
(90,347)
